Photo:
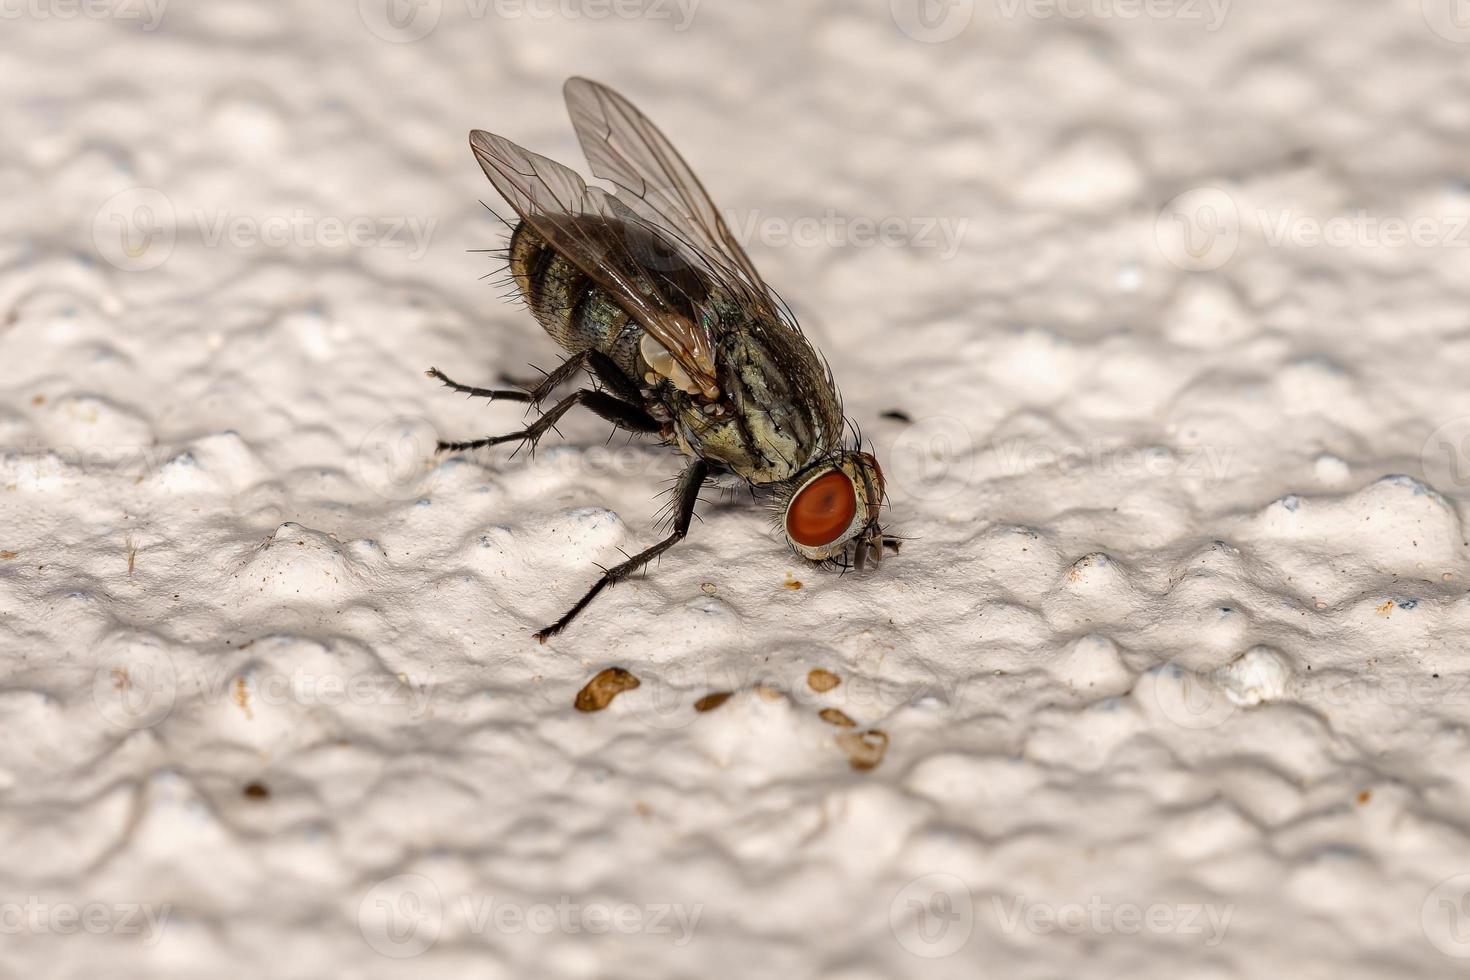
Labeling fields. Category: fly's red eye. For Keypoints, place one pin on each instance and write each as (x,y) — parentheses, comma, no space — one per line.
(822,511)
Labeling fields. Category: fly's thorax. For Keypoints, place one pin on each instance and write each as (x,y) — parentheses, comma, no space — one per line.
(780,410)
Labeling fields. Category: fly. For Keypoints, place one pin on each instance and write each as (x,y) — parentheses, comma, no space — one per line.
(650,293)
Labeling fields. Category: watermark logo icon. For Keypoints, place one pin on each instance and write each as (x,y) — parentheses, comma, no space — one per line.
(135,686)
(932,916)
(396,458)
(401,917)
(1446,458)
(665,698)
(1199,230)
(135,229)
(1193,700)
(1445,917)
(1450,19)
(932,459)
(400,21)
(932,21)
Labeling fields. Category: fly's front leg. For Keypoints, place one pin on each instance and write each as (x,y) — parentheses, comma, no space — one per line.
(616,411)
(687,493)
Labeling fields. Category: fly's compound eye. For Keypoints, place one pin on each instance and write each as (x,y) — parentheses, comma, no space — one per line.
(822,511)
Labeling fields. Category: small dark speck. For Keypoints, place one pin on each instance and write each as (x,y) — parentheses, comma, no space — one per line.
(257,791)
(897,415)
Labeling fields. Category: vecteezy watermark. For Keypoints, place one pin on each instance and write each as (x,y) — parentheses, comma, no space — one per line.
(1099,917)
(932,21)
(1446,458)
(677,693)
(1445,916)
(45,462)
(137,684)
(277,688)
(1207,463)
(932,916)
(35,916)
(1210,13)
(833,230)
(402,21)
(1205,698)
(1362,229)
(1450,19)
(1201,229)
(301,229)
(148,12)
(137,230)
(403,916)
(678,14)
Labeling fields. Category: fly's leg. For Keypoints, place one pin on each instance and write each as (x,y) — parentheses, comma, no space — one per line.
(687,494)
(616,411)
(535,395)
(607,371)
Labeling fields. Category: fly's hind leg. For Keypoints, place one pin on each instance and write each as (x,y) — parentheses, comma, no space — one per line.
(602,367)
(534,395)
(607,371)
(618,412)
(686,496)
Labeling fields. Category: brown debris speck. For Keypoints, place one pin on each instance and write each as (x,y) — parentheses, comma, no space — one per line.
(864,749)
(834,717)
(242,698)
(711,701)
(600,690)
(257,791)
(821,680)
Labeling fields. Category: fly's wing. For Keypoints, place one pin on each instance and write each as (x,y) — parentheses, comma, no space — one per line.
(625,148)
(598,233)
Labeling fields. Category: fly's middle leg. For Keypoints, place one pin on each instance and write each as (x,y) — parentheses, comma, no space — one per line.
(686,496)
(622,414)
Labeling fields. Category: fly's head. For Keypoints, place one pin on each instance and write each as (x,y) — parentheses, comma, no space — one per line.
(831,512)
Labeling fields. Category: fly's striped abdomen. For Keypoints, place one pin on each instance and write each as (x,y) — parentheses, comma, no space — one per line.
(575,311)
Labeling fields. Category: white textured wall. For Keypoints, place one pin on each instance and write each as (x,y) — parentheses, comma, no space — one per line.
(1173,667)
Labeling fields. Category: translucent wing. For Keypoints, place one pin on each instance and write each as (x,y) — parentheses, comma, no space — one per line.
(612,244)
(625,148)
